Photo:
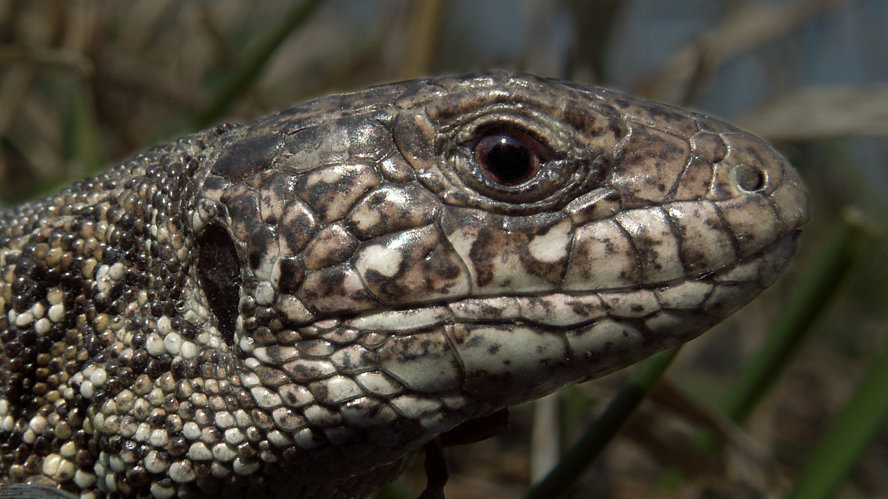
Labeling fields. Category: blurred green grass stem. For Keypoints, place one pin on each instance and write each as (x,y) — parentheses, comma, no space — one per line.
(584,452)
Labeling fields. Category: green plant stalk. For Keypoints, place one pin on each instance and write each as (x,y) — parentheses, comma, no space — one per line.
(584,452)
(82,144)
(815,291)
(847,436)
(249,72)
(819,287)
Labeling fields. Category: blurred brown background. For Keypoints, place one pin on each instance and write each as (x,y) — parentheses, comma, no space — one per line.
(84,84)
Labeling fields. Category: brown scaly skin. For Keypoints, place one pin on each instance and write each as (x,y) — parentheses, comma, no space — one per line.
(292,306)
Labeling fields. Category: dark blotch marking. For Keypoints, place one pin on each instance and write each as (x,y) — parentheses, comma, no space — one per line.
(218,270)
(262,240)
(292,275)
(247,156)
(477,429)
(665,114)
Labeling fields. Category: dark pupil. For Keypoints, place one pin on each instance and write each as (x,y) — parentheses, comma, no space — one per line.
(505,159)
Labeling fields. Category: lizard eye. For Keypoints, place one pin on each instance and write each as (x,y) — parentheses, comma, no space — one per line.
(509,157)
(516,162)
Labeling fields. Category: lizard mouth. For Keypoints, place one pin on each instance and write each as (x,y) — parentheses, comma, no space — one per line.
(712,295)
(498,350)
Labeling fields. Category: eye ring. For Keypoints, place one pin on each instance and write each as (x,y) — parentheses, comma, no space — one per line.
(512,163)
(508,157)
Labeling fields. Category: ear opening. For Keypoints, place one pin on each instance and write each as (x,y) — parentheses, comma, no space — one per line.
(218,270)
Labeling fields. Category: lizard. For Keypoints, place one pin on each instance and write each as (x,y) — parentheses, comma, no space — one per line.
(293,306)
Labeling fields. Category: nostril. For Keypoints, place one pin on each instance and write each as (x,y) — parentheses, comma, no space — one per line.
(750,178)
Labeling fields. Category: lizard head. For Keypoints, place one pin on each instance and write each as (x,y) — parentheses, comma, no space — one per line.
(388,263)
(293,305)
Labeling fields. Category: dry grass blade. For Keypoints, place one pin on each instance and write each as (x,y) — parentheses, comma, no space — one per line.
(750,26)
(39,56)
(425,27)
(13,88)
(546,437)
(822,112)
